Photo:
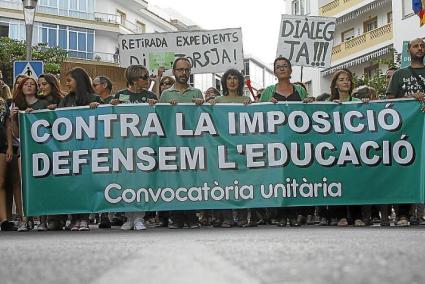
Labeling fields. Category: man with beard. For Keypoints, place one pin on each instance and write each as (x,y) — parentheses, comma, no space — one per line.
(409,82)
(182,92)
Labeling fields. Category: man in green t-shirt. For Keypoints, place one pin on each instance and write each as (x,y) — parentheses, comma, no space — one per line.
(410,81)
(181,91)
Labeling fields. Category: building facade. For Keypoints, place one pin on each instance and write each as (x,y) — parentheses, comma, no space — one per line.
(88,30)
(367,32)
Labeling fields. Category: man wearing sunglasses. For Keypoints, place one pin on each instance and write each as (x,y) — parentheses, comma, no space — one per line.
(137,77)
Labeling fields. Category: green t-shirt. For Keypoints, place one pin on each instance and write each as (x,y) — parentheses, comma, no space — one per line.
(404,83)
(267,94)
(227,99)
(107,100)
(127,97)
(181,97)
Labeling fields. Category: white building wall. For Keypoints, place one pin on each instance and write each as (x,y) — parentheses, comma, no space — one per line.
(406,27)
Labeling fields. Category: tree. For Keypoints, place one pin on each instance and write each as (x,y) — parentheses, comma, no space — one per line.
(12,50)
(378,80)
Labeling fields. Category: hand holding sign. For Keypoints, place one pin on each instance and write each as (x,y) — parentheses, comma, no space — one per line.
(306,41)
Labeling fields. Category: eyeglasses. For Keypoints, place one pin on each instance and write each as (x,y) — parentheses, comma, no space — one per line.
(146,77)
(185,70)
(281,67)
(166,83)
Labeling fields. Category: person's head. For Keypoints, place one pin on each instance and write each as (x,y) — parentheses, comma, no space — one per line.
(18,80)
(363,92)
(211,92)
(27,88)
(323,97)
(181,70)
(342,82)
(417,50)
(48,84)
(282,68)
(389,74)
(232,81)
(79,84)
(259,93)
(137,76)
(166,83)
(102,84)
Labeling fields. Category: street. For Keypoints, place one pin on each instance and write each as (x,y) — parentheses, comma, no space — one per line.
(266,254)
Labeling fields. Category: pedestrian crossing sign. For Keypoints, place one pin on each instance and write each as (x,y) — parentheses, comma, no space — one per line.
(31,69)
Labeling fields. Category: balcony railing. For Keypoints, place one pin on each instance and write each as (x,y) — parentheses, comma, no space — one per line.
(94,56)
(337,6)
(96,16)
(362,42)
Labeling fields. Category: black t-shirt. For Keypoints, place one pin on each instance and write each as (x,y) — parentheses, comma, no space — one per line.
(294,97)
(127,97)
(70,100)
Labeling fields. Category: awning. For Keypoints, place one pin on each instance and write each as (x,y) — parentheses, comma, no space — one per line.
(358,60)
(371,6)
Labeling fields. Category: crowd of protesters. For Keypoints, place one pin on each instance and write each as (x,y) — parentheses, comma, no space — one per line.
(28,94)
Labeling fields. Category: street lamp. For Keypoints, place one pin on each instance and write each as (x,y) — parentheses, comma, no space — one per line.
(29,14)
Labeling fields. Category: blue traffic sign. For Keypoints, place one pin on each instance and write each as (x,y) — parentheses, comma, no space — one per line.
(29,68)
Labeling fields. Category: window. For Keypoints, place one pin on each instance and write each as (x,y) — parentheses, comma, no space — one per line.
(407,8)
(300,7)
(389,17)
(347,35)
(370,25)
(141,27)
(121,17)
(371,70)
(4,30)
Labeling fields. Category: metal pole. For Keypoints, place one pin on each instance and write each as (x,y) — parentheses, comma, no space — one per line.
(28,31)
(302,69)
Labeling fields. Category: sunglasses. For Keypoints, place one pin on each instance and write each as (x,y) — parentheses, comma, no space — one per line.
(166,83)
(146,77)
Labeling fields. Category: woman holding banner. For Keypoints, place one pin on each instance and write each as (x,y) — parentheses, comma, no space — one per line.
(283,91)
(81,93)
(341,92)
(6,153)
(25,100)
(232,84)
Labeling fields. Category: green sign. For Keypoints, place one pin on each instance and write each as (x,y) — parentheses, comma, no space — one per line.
(161,59)
(164,157)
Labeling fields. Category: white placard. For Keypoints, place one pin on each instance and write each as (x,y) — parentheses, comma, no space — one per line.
(306,41)
(210,51)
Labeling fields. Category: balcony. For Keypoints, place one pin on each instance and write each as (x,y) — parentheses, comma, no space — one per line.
(96,17)
(337,6)
(362,42)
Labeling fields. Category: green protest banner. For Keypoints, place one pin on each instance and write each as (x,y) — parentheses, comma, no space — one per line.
(163,157)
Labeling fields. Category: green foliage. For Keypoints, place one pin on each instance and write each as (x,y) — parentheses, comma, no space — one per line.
(377,81)
(11,50)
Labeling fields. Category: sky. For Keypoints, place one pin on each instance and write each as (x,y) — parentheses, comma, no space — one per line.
(260,23)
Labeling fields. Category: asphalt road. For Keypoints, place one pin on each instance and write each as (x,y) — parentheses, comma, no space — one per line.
(265,254)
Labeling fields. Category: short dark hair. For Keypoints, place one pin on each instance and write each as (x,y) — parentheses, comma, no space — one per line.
(282,58)
(181,58)
(236,73)
(133,72)
(105,80)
